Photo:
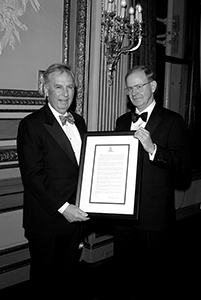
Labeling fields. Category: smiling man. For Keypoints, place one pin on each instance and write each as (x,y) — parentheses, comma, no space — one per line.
(143,248)
(48,143)
(59,86)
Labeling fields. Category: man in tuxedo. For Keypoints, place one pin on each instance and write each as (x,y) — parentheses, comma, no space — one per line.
(143,248)
(48,144)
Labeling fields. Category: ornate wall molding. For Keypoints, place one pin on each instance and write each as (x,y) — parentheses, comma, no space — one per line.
(14,101)
(19,93)
(81,54)
(66,30)
(8,155)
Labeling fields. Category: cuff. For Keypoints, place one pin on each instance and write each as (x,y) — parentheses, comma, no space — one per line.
(61,209)
(151,156)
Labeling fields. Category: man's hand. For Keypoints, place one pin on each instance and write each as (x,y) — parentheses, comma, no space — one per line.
(73,214)
(144,137)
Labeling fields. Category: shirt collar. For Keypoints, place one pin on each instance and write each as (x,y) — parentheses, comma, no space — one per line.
(147,109)
(55,113)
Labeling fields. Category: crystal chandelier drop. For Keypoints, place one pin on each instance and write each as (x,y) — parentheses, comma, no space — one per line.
(116,29)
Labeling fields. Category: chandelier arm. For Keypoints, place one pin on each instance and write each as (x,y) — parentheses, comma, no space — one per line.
(127,49)
(124,50)
(131,49)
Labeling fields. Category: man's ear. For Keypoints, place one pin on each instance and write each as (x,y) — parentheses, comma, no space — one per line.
(153,86)
(46,90)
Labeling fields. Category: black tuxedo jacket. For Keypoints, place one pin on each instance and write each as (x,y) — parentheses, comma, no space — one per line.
(157,207)
(49,171)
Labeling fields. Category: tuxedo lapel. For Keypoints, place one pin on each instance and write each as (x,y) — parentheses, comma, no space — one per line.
(154,119)
(58,134)
(79,125)
(128,122)
(125,125)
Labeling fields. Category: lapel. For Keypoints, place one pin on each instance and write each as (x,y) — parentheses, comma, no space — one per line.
(80,125)
(154,119)
(58,134)
(127,121)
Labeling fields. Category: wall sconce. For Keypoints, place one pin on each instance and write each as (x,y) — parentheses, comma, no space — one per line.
(115,28)
(172,31)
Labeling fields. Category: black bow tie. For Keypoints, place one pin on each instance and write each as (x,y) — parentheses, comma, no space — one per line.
(68,118)
(135,116)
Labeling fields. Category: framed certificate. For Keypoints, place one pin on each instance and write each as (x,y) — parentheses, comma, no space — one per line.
(110,175)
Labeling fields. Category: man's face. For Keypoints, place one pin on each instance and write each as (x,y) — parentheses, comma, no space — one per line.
(140,89)
(60,91)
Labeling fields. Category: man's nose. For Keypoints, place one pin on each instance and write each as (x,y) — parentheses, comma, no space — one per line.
(134,91)
(65,91)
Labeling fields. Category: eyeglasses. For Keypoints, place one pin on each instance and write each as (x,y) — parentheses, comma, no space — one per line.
(137,88)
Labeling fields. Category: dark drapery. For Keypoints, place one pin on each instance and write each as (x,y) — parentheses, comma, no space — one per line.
(193,100)
(146,54)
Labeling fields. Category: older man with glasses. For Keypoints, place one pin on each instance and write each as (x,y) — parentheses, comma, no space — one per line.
(142,248)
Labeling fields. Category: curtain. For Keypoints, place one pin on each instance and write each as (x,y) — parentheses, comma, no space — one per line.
(193,102)
(146,55)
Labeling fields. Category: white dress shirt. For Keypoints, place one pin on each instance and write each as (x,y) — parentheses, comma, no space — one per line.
(141,123)
(73,135)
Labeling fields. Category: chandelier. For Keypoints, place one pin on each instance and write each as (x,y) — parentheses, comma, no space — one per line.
(116,27)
